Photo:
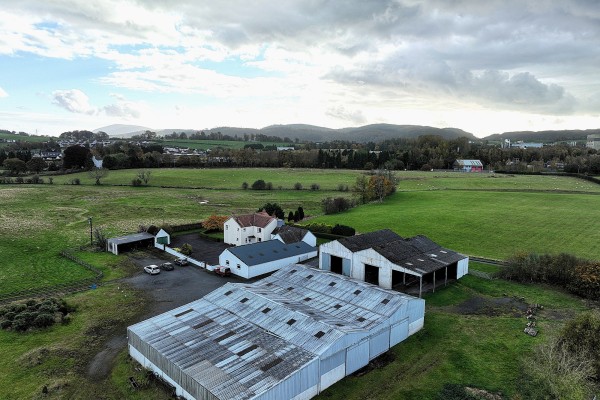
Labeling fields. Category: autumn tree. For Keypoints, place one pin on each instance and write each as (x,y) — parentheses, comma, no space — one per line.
(215,223)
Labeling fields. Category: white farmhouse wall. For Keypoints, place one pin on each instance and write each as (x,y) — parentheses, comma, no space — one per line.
(236,235)
(231,233)
(239,268)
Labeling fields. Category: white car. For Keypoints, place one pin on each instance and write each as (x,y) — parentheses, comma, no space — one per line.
(152,269)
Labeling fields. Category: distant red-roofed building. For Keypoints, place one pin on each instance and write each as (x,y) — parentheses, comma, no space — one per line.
(249,228)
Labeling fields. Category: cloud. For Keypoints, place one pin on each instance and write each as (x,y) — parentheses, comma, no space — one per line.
(73,100)
(3,93)
(340,112)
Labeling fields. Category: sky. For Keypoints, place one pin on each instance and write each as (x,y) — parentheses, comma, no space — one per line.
(482,66)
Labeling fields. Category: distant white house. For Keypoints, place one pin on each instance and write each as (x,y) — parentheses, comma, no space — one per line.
(257,259)
(250,228)
(291,234)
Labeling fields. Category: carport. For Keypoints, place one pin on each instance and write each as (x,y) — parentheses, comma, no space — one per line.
(129,242)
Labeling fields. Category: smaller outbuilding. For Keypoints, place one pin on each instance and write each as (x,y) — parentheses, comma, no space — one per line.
(291,234)
(257,259)
(468,166)
(129,242)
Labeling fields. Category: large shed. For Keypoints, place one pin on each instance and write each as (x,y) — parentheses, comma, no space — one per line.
(288,336)
(129,242)
(386,259)
(252,260)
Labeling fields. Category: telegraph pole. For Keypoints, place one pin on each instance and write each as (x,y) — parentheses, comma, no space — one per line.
(90,222)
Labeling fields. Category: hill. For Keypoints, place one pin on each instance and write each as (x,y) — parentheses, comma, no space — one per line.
(302,132)
(121,130)
(544,136)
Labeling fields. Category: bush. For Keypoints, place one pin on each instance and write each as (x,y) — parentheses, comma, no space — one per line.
(50,180)
(273,209)
(297,186)
(426,167)
(153,230)
(75,181)
(343,230)
(342,188)
(186,249)
(43,320)
(582,334)
(585,281)
(269,186)
(19,180)
(136,182)
(315,186)
(259,185)
(336,205)
(318,227)
(245,185)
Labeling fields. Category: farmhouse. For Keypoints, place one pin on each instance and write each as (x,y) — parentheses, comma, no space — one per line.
(129,242)
(468,165)
(384,258)
(250,228)
(292,234)
(288,336)
(256,259)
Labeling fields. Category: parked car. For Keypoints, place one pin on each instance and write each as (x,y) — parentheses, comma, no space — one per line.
(223,271)
(152,269)
(181,261)
(167,266)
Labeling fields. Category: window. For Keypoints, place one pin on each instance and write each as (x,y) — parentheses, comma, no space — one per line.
(259,230)
(385,301)
(245,299)
(226,227)
(307,299)
(247,350)
(319,334)
(291,322)
(357,292)
(361,319)
(266,310)
(259,239)
(337,306)
(226,262)
(228,293)
(332,284)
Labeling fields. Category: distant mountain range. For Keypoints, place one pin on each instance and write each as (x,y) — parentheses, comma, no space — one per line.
(367,133)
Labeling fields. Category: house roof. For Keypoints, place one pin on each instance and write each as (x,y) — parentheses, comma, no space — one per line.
(270,250)
(136,237)
(469,163)
(243,339)
(368,240)
(260,219)
(290,234)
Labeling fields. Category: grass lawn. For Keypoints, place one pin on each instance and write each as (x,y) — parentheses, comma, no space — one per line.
(487,224)
(226,178)
(470,349)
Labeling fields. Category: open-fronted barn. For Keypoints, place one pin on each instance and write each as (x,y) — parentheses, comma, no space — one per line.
(288,336)
(129,242)
(386,259)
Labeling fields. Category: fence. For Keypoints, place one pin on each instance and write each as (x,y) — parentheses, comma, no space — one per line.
(59,289)
(177,254)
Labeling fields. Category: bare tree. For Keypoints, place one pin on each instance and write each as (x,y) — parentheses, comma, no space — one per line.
(98,174)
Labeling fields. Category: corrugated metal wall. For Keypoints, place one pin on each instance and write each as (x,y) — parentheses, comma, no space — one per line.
(298,382)
(332,362)
(399,332)
(379,343)
(346,266)
(357,356)
(326,261)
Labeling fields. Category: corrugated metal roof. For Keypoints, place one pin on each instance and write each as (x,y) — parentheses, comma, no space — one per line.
(242,339)
(469,163)
(368,240)
(136,237)
(270,250)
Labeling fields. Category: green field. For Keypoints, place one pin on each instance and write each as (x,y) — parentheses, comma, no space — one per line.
(35,139)
(474,214)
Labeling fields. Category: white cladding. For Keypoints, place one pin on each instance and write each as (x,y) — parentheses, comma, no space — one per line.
(288,336)
(238,235)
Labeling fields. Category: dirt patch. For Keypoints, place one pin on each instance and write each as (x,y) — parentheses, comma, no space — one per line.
(492,306)
(378,362)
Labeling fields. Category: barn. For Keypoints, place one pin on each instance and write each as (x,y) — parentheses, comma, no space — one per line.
(288,336)
(252,260)
(129,242)
(386,259)
(468,165)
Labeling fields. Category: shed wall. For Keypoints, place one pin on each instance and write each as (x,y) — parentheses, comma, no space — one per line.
(357,356)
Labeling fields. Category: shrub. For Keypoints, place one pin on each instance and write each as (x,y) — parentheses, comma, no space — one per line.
(343,230)
(19,180)
(50,180)
(297,186)
(426,167)
(153,230)
(585,281)
(75,181)
(245,185)
(269,186)
(315,186)
(259,185)
(36,179)
(336,205)
(342,188)
(273,209)
(5,324)
(582,334)
(186,249)
(318,227)
(136,182)
(43,320)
